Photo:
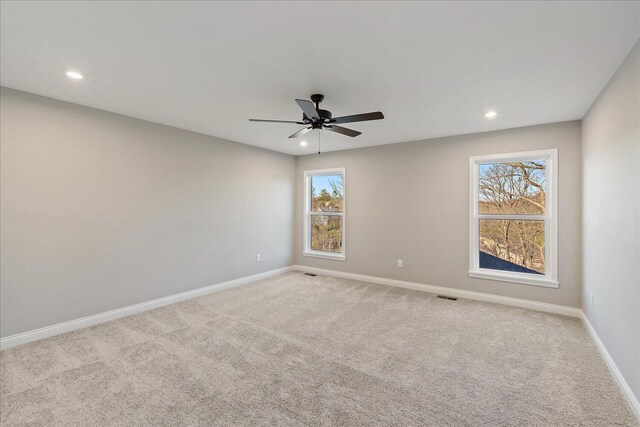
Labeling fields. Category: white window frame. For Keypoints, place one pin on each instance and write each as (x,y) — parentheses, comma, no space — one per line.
(550,278)
(308,213)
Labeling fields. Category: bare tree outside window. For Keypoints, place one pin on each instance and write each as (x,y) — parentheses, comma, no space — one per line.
(327,207)
(512,188)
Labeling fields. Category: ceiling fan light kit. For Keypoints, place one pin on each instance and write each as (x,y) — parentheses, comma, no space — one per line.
(316,118)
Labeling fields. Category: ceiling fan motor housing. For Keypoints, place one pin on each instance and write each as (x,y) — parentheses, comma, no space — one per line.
(325,116)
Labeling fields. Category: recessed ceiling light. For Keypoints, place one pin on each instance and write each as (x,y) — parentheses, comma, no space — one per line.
(490,114)
(74,75)
(303,143)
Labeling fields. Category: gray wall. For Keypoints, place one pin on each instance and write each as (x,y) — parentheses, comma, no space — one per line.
(611,217)
(411,201)
(101,211)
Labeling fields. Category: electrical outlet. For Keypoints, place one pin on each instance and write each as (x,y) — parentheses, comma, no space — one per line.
(591,297)
(400,263)
(258,258)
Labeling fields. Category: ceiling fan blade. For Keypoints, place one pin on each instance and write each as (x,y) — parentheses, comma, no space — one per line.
(276,121)
(358,118)
(344,131)
(301,132)
(308,108)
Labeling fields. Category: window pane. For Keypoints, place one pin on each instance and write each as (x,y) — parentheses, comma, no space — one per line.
(512,245)
(326,233)
(327,193)
(512,188)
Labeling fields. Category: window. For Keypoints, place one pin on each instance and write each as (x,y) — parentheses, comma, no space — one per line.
(513,218)
(324,225)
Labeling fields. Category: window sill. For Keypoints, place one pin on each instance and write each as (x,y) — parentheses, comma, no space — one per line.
(514,278)
(325,255)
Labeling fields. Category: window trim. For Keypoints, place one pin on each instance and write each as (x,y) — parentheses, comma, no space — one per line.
(307,214)
(550,278)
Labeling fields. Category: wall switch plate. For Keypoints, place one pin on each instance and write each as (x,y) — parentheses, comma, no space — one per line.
(400,263)
(258,258)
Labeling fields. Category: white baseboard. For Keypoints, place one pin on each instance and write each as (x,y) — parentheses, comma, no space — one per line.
(477,296)
(613,368)
(72,325)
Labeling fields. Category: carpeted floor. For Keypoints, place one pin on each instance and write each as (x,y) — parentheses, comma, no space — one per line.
(301,350)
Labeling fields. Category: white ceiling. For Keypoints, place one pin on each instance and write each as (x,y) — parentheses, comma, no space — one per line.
(433,68)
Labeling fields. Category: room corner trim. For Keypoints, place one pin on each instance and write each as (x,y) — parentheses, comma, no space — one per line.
(84,322)
(477,296)
(613,368)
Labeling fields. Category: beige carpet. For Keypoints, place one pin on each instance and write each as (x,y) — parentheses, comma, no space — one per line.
(300,350)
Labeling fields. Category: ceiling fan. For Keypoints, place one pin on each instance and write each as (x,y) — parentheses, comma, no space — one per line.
(315,118)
